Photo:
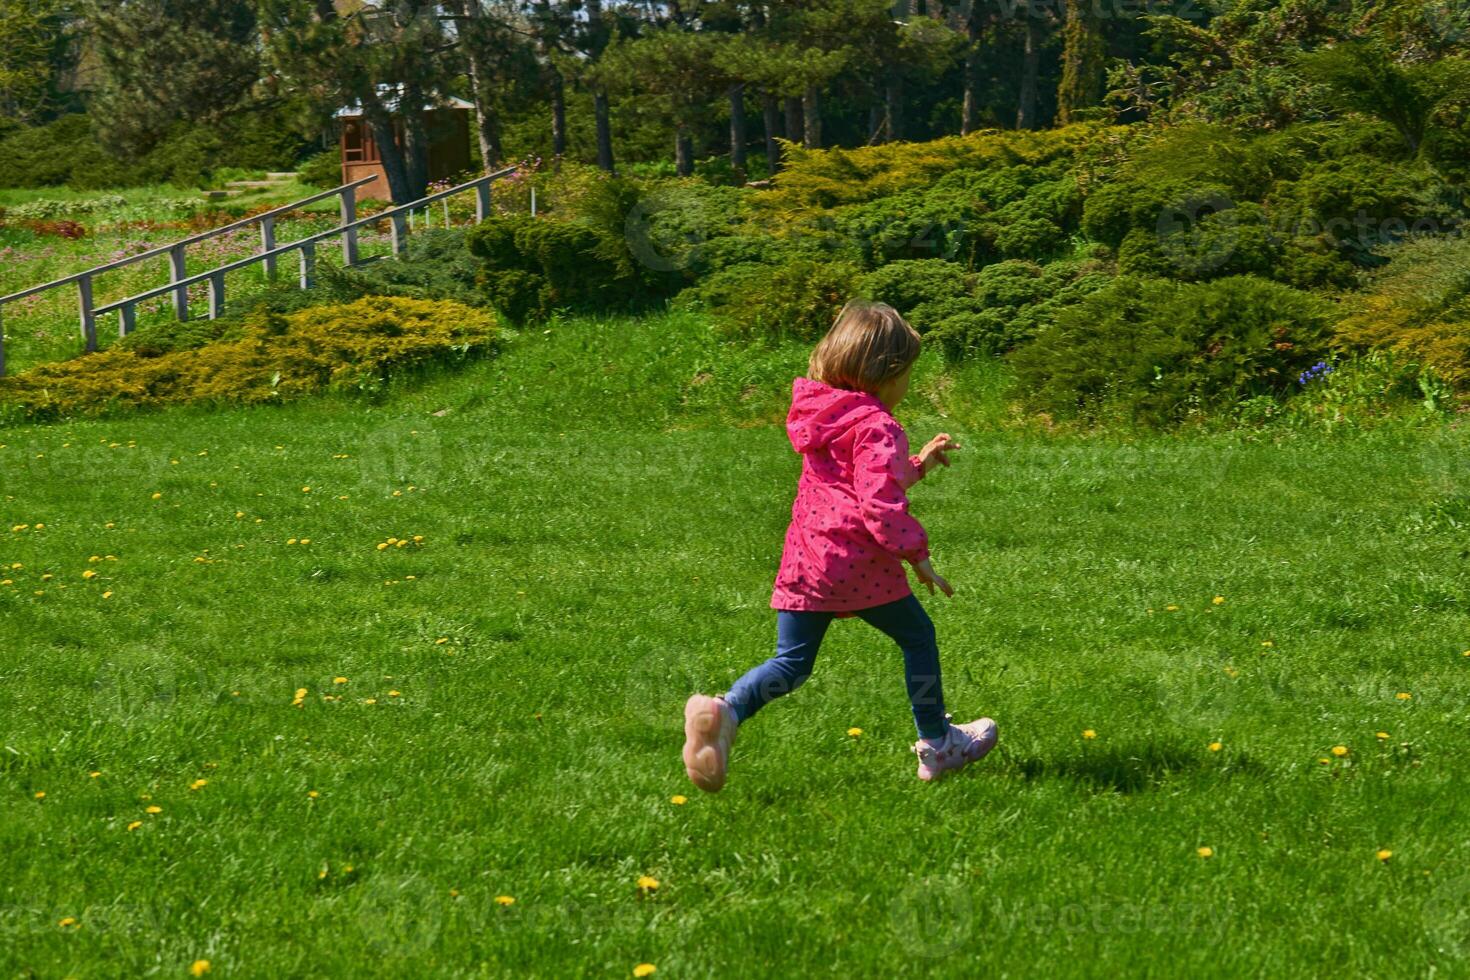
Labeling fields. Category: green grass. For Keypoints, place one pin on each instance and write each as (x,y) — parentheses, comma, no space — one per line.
(601,511)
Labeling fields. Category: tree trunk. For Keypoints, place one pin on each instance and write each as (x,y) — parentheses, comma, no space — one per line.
(737,131)
(771,118)
(683,151)
(487,120)
(1030,70)
(794,124)
(415,140)
(558,116)
(970,113)
(811,115)
(604,132)
(1082,81)
(893,106)
(877,123)
(389,152)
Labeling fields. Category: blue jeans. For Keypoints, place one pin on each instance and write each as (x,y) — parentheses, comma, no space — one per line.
(799,636)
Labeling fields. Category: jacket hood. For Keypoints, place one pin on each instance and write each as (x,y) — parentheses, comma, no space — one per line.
(820,413)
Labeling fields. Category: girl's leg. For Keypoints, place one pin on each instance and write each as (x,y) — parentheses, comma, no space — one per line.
(906,622)
(798,637)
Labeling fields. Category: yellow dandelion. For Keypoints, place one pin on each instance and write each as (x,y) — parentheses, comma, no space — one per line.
(158,496)
(46,577)
(1267,643)
(369,700)
(1382,736)
(41,795)
(418,539)
(1403,695)
(40,527)
(135,825)
(1215,746)
(153,808)
(441,641)
(7,581)
(239,514)
(89,574)
(1205,852)
(1089,733)
(290,540)
(1171,608)
(382,545)
(504,900)
(68,921)
(95,558)
(339,680)
(1219,600)
(199,968)
(648,883)
(306,489)
(678,799)
(312,794)
(1385,854)
(199,784)
(94,774)
(1339,750)
(107,595)
(400,544)
(1325,761)
(854,732)
(306,540)
(644,970)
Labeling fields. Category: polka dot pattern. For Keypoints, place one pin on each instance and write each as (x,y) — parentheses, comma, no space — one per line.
(850,528)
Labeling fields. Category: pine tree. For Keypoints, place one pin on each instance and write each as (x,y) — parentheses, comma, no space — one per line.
(163,62)
(1083,78)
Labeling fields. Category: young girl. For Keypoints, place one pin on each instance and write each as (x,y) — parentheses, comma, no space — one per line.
(850,534)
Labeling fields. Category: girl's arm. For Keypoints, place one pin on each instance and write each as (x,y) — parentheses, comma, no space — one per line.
(882,470)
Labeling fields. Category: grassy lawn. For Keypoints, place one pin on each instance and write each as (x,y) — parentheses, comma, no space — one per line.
(356,754)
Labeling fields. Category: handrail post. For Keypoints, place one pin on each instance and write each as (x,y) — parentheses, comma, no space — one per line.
(397,232)
(89,319)
(267,243)
(176,271)
(349,237)
(2,340)
(308,264)
(127,319)
(216,295)
(482,201)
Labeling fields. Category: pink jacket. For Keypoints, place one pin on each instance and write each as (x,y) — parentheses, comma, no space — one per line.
(850,526)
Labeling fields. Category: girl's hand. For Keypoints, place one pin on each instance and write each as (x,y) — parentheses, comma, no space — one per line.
(930,577)
(936,450)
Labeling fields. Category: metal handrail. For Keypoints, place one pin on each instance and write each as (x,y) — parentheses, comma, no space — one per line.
(186,242)
(307,246)
(179,283)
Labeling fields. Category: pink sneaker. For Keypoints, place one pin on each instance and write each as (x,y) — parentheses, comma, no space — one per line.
(709,731)
(962,745)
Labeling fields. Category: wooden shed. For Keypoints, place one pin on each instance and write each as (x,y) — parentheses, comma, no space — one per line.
(447,123)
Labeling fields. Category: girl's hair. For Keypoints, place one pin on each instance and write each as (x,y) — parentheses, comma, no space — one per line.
(869,344)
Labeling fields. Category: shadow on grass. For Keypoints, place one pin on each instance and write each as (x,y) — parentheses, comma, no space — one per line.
(1132,768)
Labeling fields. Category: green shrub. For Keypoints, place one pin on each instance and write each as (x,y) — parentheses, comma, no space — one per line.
(1417,306)
(322,169)
(1160,352)
(356,346)
(798,299)
(531,267)
(907,284)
